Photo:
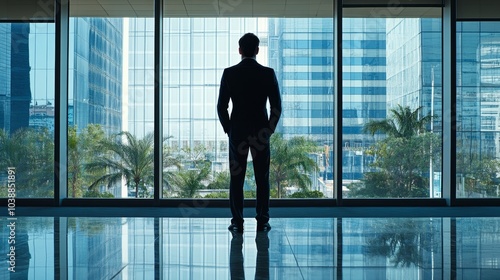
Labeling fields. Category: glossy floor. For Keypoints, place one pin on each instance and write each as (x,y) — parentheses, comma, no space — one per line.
(296,248)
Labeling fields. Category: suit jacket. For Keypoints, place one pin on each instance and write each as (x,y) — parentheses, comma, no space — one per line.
(248,85)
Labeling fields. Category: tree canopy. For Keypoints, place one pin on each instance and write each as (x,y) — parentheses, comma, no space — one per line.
(402,159)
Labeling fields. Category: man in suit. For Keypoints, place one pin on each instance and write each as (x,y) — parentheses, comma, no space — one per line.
(249,85)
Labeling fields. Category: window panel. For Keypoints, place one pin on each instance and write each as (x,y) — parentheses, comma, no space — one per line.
(478,129)
(195,115)
(109,112)
(27,109)
(392,73)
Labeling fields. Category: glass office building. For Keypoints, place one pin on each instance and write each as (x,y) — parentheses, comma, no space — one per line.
(364,91)
(414,66)
(15,76)
(5,76)
(478,109)
(95,89)
(301,51)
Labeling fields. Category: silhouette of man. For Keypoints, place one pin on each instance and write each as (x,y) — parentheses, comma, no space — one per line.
(249,86)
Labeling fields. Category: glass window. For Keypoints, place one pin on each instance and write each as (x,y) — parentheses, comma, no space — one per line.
(201,136)
(478,123)
(392,99)
(110,142)
(27,109)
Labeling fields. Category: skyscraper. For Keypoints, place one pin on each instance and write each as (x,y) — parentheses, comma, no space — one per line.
(414,66)
(364,91)
(20,76)
(15,93)
(95,83)
(478,108)
(301,52)
(5,41)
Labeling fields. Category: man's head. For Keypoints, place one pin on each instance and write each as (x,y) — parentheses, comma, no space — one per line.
(249,45)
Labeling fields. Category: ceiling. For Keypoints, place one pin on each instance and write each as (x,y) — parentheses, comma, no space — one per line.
(204,8)
(39,9)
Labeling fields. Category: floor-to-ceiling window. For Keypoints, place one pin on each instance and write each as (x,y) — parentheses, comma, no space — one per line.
(27,109)
(196,51)
(478,109)
(391,104)
(111,79)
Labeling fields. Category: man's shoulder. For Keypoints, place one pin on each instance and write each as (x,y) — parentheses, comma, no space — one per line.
(245,64)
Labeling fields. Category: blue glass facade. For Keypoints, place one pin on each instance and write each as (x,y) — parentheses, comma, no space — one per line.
(20,91)
(138,117)
(196,51)
(414,66)
(42,63)
(364,90)
(301,52)
(5,75)
(28,87)
(95,77)
(15,93)
(478,107)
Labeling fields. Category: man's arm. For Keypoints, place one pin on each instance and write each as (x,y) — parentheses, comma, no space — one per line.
(275,102)
(223,104)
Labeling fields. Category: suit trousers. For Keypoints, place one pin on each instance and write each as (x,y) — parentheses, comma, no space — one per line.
(238,154)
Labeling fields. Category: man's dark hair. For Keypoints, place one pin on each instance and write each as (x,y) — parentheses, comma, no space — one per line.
(248,44)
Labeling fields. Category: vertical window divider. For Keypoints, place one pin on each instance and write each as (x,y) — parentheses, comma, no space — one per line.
(61,102)
(158,102)
(449,102)
(337,149)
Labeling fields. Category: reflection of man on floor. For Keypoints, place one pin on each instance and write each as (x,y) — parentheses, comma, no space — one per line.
(262,242)
(236,256)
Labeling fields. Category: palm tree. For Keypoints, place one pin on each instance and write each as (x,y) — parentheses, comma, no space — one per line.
(404,123)
(220,181)
(402,159)
(290,162)
(189,181)
(132,159)
(83,147)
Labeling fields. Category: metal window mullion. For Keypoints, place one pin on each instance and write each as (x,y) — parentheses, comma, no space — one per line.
(158,102)
(61,102)
(449,102)
(337,153)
